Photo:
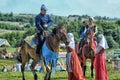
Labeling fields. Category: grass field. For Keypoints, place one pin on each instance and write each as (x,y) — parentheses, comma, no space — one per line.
(9,49)
(113,75)
(3,31)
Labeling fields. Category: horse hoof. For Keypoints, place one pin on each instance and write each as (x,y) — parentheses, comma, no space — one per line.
(35,77)
(23,79)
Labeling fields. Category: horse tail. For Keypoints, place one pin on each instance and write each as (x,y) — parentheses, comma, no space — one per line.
(19,58)
(25,48)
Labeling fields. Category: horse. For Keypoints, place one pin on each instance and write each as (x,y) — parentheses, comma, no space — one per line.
(87,52)
(52,43)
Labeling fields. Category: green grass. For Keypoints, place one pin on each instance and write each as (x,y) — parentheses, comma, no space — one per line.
(19,24)
(113,75)
(4,31)
(8,63)
(9,49)
(29,76)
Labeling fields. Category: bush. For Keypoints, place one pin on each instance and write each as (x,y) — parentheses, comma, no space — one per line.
(111,42)
(10,27)
(13,38)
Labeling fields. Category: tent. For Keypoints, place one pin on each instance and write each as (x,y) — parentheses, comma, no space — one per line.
(4,42)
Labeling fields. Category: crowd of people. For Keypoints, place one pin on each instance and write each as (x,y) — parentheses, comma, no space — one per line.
(16,68)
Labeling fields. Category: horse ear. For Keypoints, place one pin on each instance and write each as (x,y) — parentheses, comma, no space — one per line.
(54,31)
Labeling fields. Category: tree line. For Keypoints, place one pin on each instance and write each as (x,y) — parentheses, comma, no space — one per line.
(111,29)
(17,18)
(10,27)
(15,38)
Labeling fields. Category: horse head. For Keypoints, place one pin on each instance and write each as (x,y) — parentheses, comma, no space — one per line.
(61,33)
(88,36)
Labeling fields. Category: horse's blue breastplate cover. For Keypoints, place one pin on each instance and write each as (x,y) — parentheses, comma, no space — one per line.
(49,55)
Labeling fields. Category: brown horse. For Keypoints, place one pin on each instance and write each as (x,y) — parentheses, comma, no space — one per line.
(52,42)
(87,52)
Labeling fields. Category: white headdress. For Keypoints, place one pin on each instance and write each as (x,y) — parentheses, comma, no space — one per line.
(72,42)
(92,18)
(103,42)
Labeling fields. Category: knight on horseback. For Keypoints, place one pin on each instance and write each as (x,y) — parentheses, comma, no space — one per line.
(83,30)
(42,21)
(94,31)
(88,45)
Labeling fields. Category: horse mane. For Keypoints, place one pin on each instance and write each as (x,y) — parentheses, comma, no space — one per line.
(23,43)
(54,31)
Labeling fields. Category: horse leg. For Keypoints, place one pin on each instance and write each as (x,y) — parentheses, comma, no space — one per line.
(84,68)
(22,70)
(48,73)
(48,69)
(24,60)
(92,67)
(32,68)
(92,70)
(43,67)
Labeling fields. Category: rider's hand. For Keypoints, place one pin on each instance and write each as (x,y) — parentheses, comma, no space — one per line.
(45,33)
(45,25)
(36,30)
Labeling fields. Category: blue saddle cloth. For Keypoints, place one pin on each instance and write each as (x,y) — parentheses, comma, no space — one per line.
(49,55)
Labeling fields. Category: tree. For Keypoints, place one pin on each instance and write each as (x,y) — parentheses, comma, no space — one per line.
(1,15)
(6,15)
(31,21)
(27,26)
(29,32)
(111,42)
(11,14)
(118,22)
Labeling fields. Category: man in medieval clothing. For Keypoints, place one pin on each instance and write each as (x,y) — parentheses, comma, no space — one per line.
(42,21)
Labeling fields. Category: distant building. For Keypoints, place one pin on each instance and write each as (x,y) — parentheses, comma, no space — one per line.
(72,18)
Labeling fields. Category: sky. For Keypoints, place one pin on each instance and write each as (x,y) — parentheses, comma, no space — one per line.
(110,8)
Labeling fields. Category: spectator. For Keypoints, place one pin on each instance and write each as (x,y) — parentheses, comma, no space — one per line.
(4,69)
